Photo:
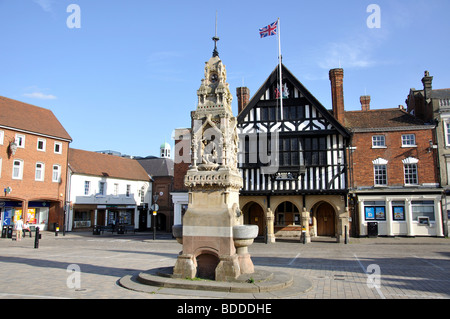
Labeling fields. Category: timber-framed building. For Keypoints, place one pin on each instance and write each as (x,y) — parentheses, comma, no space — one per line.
(292,157)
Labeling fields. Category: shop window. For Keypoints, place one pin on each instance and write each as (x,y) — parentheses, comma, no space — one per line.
(375,210)
(82,219)
(398,211)
(422,209)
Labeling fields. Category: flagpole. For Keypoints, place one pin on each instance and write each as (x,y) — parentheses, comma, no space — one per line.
(281,75)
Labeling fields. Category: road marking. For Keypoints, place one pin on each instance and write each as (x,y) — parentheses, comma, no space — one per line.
(429,262)
(365,271)
(292,261)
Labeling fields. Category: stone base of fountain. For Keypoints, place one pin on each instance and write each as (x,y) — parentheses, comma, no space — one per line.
(261,283)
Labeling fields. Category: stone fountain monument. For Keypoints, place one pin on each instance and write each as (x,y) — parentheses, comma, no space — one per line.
(213,237)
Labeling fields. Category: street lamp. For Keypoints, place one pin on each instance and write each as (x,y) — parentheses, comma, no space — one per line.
(154,209)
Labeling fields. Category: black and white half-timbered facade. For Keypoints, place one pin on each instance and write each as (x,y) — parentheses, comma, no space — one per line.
(292,157)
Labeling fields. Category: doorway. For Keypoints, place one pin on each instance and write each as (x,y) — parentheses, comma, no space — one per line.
(254,215)
(325,217)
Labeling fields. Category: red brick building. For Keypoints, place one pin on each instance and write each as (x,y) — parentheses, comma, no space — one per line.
(33,164)
(393,176)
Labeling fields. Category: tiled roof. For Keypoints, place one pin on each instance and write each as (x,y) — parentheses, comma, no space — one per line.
(97,164)
(22,116)
(381,118)
(157,167)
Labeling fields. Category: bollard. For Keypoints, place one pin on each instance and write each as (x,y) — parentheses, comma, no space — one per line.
(37,236)
(346,235)
(56,229)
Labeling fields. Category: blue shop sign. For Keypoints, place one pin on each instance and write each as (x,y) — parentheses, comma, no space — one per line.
(10,204)
(38,204)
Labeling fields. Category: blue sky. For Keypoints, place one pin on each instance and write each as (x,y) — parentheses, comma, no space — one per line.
(129,76)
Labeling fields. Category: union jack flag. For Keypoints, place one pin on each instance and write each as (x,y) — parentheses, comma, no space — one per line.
(269,30)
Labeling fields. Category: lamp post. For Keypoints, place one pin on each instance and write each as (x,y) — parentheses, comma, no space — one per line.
(154,210)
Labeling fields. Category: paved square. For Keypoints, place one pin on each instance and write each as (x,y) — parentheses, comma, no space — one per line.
(382,268)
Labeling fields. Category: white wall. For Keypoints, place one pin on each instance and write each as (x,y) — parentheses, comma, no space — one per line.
(76,193)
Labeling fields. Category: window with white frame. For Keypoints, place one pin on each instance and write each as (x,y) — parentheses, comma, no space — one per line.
(56,176)
(17,169)
(40,171)
(378,141)
(102,188)
(41,144)
(128,190)
(409,140)
(380,172)
(410,171)
(58,148)
(2,136)
(116,189)
(447,133)
(20,140)
(87,187)
(0,167)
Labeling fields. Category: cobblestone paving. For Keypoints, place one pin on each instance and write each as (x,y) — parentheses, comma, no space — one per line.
(382,268)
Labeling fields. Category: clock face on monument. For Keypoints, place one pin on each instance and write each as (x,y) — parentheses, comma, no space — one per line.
(213,78)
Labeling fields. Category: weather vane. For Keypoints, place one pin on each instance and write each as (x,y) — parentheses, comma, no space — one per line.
(215,39)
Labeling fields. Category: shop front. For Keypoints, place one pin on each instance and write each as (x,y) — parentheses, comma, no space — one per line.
(87,216)
(400,215)
(37,213)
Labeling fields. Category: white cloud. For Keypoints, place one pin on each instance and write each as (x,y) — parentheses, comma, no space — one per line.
(40,96)
(46,5)
(350,54)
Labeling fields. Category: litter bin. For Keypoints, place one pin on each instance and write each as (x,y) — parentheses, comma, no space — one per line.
(10,231)
(372,229)
(96,230)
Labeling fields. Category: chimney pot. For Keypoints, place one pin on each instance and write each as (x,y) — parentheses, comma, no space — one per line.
(337,93)
(243,96)
(365,102)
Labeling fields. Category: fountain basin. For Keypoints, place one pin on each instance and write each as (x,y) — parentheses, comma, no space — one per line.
(244,235)
(177,232)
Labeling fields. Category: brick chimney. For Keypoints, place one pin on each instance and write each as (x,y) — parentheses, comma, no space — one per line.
(243,96)
(365,102)
(427,81)
(337,93)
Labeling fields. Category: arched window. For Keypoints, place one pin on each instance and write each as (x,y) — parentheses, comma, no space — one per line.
(287,214)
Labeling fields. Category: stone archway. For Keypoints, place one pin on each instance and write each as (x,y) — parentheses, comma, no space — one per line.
(254,215)
(325,220)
